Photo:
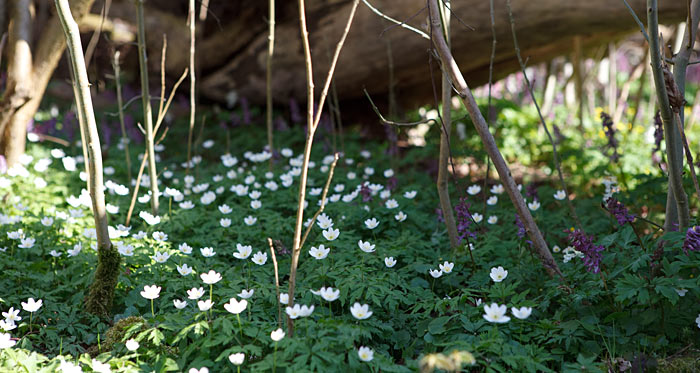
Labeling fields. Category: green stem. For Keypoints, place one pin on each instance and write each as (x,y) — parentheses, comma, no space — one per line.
(152,311)
(274,359)
(240,327)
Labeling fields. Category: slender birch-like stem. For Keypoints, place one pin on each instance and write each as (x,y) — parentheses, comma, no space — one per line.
(444,157)
(277,281)
(270,52)
(84,101)
(673,147)
(450,65)
(135,193)
(555,154)
(101,293)
(81,122)
(125,138)
(147,111)
(190,20)
(492,17)
(312,124)
(323,199)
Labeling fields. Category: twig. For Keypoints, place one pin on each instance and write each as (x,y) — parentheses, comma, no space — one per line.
(492,16)
(312,125)
(136,189)
(146,103)
(53,139)
(3,41)
(450,65)
(555,155)
(162,74)
(277,281)
(323,199)
(397,22)
(636,19)
(446,4)
(161,116)
(392,123)
(190,20)
(203,10)
(444,152)
(675,163)
(96,35)
(138,179)
(268,88)
(100,295)
(125,138)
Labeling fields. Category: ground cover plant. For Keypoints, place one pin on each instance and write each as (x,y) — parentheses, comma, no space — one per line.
(197,284)
(552,242)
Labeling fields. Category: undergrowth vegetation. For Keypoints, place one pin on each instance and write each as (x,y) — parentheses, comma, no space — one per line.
(378,285)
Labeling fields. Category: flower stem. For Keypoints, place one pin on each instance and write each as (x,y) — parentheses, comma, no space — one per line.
(274,360)
(240,327)
(152,311)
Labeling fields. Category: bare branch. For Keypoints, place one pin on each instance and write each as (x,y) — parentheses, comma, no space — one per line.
(392,123)
(397,22)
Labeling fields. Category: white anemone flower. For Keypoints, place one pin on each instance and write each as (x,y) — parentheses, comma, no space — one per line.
(496,314)
(498,274)
(360,311)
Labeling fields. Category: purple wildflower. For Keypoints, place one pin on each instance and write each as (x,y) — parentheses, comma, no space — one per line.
(391,183)
(366,192)
(294,112)
(692,240)
(520,225)
(392,137)
(522,232)
(439,217)
(584,243)
(619,211)
(531,191)
(464,220)
(281,124)
(235,120)
(609,129)
(70,125)
(245,107)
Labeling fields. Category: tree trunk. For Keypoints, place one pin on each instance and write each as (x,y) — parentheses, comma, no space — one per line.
(236,45)
(18,106)
(101,295)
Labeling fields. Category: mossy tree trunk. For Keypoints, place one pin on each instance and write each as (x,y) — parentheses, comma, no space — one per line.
(101,293)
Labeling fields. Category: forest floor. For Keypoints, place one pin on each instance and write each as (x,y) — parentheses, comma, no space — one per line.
(383,289)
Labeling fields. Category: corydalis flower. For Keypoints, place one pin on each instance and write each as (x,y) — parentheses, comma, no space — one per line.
(619,211)
(464,220)
(584,243)
(521,228)
(692,240)
(609,129)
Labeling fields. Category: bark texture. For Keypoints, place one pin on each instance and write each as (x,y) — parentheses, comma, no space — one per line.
(234,44)
(29,71)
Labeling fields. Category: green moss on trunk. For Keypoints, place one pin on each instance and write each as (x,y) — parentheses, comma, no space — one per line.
(101,294)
